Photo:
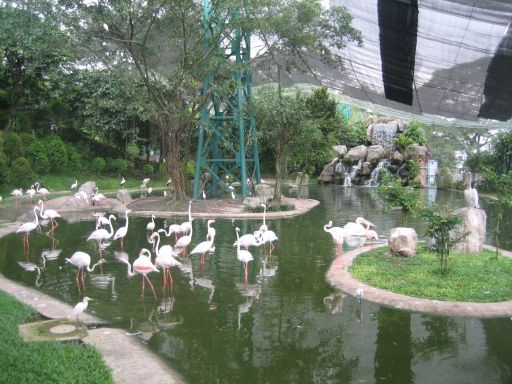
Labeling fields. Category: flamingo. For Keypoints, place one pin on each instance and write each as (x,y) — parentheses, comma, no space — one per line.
(97,197)
(142,266)
(82,195)
(205,246)
(248,240)
(211,233)
(151,225)
(187,225)
(31,192)
(26,228)
(122,231)
(101,221)
(51,214)
(42,191)
(371,235)
(354,229)
(102,234)
(173,228)
(80,308)
(264,227)
(184,241)
(82,260)
(74,186)
(17,193)
(365,223)
(337,234)
(165,258)
(268,237)
(242,255)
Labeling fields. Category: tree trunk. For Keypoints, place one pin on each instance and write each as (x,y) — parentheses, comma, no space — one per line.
(175,165)
(279,176)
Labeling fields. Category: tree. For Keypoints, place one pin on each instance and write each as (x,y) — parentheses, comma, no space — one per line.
(502,153)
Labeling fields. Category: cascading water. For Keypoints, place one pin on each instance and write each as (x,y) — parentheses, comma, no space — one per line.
(384,134)
(374,176)
(353,171)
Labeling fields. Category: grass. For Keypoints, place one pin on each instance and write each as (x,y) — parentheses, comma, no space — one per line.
(271,207)
(476,278)
(43,362)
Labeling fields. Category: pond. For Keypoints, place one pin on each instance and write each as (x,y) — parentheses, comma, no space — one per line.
(286,324)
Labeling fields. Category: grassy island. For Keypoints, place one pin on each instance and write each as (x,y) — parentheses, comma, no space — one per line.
(481,278)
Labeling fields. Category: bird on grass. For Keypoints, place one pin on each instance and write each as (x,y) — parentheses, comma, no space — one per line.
(79,309)
(121,183)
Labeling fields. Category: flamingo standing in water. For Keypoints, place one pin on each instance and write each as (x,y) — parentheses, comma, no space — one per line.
(268,237)
(187,225)
(264,227)
(205,246)
(337,234)
(150,227)
(122,231)
(142,266)
(365,223)
(82,261)
(17,193)
(42,191)
(102,234)
(173,228)
(26,228)
(241,254)
(51,214)
(31,192)
(165,259)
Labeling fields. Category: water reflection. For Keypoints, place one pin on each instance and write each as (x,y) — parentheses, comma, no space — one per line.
(285,323)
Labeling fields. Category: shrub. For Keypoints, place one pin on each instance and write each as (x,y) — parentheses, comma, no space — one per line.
(148,169)
(476,162)
(416,133)
(119,166)
(35,149)
(3,166)
(20,172)
(74,159)
(57,154)
(402,142)
(393,193)
(13,147)
(41,163)
(98,165)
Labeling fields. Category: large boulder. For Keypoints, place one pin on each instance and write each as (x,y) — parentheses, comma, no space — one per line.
(252,202)
(339,150)
(474,221)
(375,153)
(88,187)
(402,241)
(366,169)
(417,152)
(355,154)
(327,175)
(397,158)
(124,196)
(264,192)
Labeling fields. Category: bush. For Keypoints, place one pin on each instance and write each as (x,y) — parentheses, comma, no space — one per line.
(41,163)
(119,167)
(98,165)
(3,166)
(416,133)
(476,162)
(74,159)
(57,154)
(13,147)
(148,169)
(20,173)
(402,142)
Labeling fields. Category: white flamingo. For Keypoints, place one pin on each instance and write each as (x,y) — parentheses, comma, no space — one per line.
(264,227)
(248,240)
(81,261)
(205,246)
(173,228)
(97,197)
(365,223)
(26,228)
(31,192)
(50,214)
(187,225)
(337,234)
(102,234)
(151,225)
(184,241)
(269,237)
(142,266)
(42,191)
(122,231)
(165,259)
(242,255)
(17,193)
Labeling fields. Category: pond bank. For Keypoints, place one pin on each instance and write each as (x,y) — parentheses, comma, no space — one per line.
(340,278)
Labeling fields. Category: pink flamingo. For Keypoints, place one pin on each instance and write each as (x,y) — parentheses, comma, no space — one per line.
(142,266)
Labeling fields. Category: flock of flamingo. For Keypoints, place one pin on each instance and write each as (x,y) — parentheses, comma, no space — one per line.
(354,234)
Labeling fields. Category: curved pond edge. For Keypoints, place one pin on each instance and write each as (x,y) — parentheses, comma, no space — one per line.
(340,278)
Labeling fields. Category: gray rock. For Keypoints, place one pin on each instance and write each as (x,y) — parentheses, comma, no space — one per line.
(419,152)
(301,179)
(88,187)
(397,158)
(339,150)
(402,241)
(252,202)
(264,192)
(327,174)
(355,154)
(124,196)
(375,154)
(366,169)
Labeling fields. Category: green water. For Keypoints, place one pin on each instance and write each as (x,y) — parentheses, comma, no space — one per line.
(286,324)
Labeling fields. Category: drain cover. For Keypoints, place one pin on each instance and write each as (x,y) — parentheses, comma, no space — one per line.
(61,329)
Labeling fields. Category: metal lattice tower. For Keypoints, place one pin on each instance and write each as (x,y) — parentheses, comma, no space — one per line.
(227,149)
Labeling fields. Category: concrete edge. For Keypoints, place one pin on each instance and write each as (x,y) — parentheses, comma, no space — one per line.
(126,356)
(340,278)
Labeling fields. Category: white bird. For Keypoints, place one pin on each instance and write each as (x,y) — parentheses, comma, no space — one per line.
(102,234)
(168,182)
(248,240)
(165,258)
(17,193)
(97,197)
(242,255)
(205,246)
(264,227)
(173,228)
(232,191)
(51,214)
(371,235)
(42,191)
(74,186)
(31,267)
(142,266)
(359,294)
(354,229)
(365,223)
(204,195)
(145,181)
(184,241)
(150,227)
(80,308)
(187,225)
(269,237)
(150,190)
(82,195)
(121,183)
(1,198)
(211,233)
(26,228)
(122,231)
(82,261)
(337,233)
(31,192)
(101,221)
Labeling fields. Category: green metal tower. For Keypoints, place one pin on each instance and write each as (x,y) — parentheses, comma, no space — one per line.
(227,149)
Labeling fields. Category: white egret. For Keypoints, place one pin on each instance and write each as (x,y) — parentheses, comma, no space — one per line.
(121,183)
(80,308)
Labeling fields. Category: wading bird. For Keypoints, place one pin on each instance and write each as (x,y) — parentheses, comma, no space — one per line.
(150,227)
(122,231)
(142,266)
(242,255)
(17,193)
(42,191)
(264,227)
(26,228)
(50,214)
(102,234)
(165,259)
(337,234)
(205,246)
(81,261)
(79,309)
(74,186)
(365,223)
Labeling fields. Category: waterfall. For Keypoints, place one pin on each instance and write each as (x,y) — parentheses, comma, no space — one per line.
(384,134)
(353,171)
(374,176)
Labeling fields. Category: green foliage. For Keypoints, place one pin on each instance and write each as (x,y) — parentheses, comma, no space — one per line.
(148,169)
(271,207)
(43,362)
(119,167)
(13,147)
(394,194)
(351,133)
(472,277)
(74,159)
(415,132)
(321,105)
(502,152)
(444,179)
(402,142)
(20,172)
(446,232)
(477,162)
(413,166)
(41,163)
(4,169)
(98,165)
(56,152)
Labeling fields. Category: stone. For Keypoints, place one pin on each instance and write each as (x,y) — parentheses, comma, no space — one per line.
(355,154)
(124,196)
(375,154)
(397,158)
(264,192)
(366,169)
(339,150)
(417,152)
(401,125)
(474,221)
(252,202)
(384,134)
(327,174)
(402,241)
(369,132)
(88,187)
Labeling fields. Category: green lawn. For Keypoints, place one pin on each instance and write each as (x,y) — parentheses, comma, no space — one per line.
(477,278)
(43,362)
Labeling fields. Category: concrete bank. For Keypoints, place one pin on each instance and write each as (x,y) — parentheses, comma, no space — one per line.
(340,278)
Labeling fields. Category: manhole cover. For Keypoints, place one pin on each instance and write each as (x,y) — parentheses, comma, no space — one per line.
(64,328)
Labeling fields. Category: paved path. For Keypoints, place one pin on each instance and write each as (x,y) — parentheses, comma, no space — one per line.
(339,277)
